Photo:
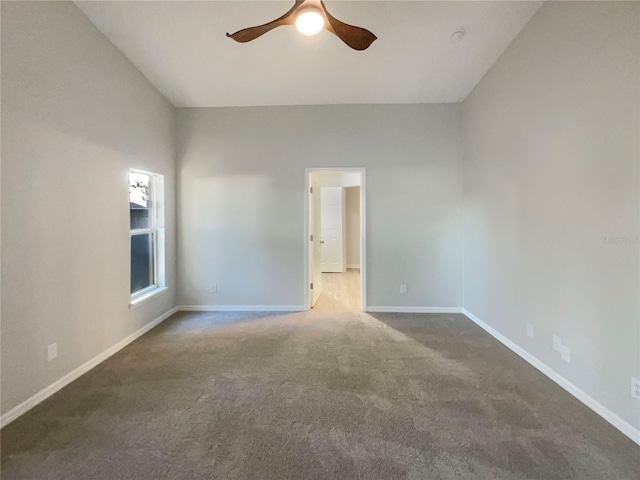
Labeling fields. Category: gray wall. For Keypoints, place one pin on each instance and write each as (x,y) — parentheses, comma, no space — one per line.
(241,200)
(76,115)
(550,174)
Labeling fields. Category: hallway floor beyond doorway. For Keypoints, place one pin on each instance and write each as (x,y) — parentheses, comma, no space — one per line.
(340,291)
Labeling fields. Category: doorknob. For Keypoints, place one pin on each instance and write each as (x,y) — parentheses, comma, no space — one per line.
(321,242)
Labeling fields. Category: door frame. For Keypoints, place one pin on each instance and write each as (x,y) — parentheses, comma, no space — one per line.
(363,230)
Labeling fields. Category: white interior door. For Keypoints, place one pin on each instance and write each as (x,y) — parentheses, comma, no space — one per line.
(332,229)
(314,257)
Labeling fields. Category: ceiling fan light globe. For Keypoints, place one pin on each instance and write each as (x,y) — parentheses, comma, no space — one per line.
(310,23)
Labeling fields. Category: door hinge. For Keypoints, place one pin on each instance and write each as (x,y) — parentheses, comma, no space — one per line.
(311,286)
(311,238)
(310,189)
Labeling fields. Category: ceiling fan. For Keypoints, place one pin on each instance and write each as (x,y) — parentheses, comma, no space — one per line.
(311,17)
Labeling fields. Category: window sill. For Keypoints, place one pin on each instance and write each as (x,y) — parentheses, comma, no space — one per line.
(147,296)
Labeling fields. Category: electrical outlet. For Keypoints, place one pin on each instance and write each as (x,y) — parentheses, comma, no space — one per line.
(557,343)
(403,289)
(529,330)
(214,288)
(52,351)
(635,388)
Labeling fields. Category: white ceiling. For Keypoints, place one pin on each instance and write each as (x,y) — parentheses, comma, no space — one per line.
(182,49)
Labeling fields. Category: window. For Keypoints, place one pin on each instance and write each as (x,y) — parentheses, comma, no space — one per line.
(146,217)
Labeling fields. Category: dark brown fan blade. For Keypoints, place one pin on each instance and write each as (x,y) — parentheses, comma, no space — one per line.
(251,33)
(356,37)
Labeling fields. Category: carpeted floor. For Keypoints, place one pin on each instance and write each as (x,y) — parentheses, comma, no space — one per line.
(315,396)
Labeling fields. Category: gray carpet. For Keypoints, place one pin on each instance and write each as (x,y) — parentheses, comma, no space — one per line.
(315,396)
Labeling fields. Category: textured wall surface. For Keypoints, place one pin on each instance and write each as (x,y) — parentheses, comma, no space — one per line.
(551,195)
(76,115)
(241,200)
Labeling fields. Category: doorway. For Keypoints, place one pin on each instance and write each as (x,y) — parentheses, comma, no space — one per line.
(335,225)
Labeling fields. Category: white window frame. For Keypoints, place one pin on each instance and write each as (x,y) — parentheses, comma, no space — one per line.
(156,229)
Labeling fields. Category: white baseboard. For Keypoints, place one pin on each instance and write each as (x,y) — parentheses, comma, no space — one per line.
(241,308)
(414,309)
(353,265)
(46,392)
(604,412)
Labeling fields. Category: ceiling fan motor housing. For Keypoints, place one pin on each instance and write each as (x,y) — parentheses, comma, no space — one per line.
(310,17)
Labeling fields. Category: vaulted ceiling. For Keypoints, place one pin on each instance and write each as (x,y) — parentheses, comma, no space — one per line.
(182,49)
